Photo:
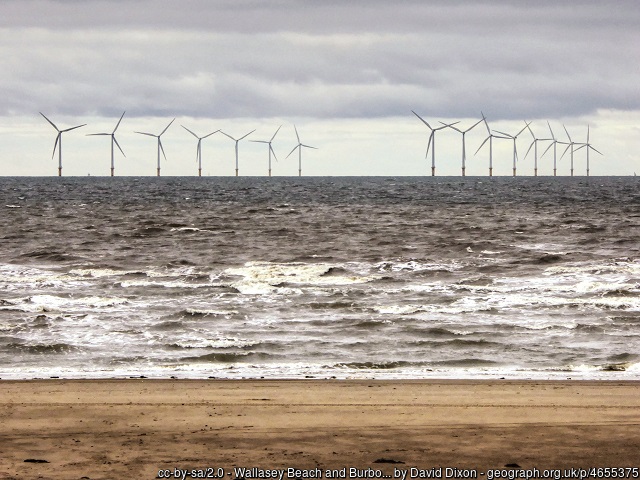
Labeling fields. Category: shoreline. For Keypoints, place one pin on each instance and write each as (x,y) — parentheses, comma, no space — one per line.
(111,428)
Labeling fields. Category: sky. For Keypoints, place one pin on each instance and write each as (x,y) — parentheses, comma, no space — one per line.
(347,74)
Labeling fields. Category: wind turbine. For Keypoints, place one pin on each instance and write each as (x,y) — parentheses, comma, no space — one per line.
(490,138)
(515,148)
(237,141)
(554,144)
(588,146)
(569,146)
(199,149)
(270,147)
(432,140)
(58,143)
(464,132)
(159,142)
(534,144)
(113,140)
(299,147)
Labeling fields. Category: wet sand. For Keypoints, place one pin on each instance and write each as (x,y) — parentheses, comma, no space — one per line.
(133,428)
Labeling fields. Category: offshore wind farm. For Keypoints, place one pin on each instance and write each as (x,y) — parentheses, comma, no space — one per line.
(570,146)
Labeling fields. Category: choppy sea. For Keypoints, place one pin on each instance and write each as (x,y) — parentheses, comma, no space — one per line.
(345,277)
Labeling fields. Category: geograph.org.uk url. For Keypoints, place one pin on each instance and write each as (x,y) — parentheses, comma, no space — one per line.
(562,473)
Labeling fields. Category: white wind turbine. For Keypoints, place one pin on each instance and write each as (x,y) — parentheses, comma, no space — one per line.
(534,144)
(515,147)
(490,138)
(113,140)
(58,143)
(159,142)
(432,140)
(299,147)
(464,151)
(237,141)
(270,149)
(569,145)
(199,149)
(588,146)
(554,144)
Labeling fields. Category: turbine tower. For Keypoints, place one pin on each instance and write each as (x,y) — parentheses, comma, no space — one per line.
(270,149)
(199,149)
(237,141)
(58,143)
(490,138)
(588,146)
(534,144)
(464,152)
(159,142)
(432,141)
(113,140)
(299,147)
(515,147)
(554,144)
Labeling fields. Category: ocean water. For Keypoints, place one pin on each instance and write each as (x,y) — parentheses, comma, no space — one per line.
(364,277)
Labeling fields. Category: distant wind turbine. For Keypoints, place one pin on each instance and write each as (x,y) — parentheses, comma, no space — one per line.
(554,144)
(58,143)
(237,141)
(588,146)
(159,142)
(299,147)
(270,149)
(534,144)
(113,140)
(515,147)
(432,140)
(464,132)
(199,149)
(490,138)
(569,145)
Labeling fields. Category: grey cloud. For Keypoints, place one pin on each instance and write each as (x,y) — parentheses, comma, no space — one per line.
(225,59)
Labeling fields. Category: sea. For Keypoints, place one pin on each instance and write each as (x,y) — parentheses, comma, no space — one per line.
(320,277)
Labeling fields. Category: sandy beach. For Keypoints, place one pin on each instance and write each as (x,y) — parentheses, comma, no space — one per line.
(136,428)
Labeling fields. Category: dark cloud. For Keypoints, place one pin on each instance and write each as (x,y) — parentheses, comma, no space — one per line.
(225,59)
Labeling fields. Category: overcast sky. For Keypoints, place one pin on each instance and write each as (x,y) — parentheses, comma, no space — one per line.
(346,73)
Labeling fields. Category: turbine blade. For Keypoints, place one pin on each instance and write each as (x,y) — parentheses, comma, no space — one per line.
(551,131)
(118,124)
(547,149)
(482,144)
(161,147)
(587,133)
(308,146)
(484,119)
(531,132)
(273,151)
(529,149)
(472,127)
(523,128)
(52,124)
(227,135)
(297,136)
(502,133)
(247,134)
(565,151)
(55,145)
(119,147)
(294,149)
(595,150)
(429,144)
(423,120)
(259,141)
(73,128)
(145,133)
(165,128)
(274,135)
(206,136)
(94,134)
(189,132)
(568,136)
